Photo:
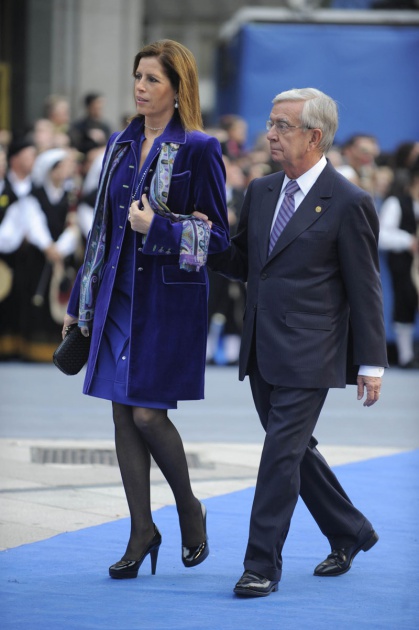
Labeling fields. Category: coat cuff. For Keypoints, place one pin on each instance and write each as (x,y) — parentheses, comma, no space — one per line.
(163,237)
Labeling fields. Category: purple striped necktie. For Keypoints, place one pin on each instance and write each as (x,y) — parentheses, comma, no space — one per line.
(285,212)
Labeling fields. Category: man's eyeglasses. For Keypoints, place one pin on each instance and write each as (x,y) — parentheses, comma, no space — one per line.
(283,127)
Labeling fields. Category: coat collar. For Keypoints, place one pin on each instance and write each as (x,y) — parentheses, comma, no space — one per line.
(174,132)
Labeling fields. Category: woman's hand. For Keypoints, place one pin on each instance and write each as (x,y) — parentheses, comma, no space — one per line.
(68,320)
(140,218)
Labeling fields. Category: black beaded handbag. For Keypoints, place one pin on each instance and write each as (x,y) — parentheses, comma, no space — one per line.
(73,352)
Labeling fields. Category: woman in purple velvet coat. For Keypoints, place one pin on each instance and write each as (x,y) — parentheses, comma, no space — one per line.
(142,291)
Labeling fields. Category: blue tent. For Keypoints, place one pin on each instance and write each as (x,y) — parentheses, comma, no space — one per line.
(368,61)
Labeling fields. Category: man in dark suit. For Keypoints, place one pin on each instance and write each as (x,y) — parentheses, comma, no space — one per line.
(313,320)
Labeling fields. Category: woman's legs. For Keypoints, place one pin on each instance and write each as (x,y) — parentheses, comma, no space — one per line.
(166,447)
(134,463)
(140,432)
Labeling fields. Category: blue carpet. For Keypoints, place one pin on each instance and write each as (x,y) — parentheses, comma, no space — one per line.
(62,583)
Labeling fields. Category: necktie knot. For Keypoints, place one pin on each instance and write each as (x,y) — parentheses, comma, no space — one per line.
(292,187)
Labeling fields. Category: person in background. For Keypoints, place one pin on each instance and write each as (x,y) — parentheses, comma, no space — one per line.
(43,135)
(57,111)
(15,185)
(51,252)
(142,292)
(91,131)
(404,159)
(21,157)
(235,127)
(360,152)
(226,297)
(306,245)
(92,167)
(382,182)
(399,223)
(3,170)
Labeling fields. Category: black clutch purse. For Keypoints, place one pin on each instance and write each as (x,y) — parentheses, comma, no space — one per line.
(73,352)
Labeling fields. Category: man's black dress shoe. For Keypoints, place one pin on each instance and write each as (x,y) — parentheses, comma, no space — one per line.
(254,585)
(340,560)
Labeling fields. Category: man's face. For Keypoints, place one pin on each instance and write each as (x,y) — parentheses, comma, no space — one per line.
(96,108)
(24,160)
(288,142)
(364,152)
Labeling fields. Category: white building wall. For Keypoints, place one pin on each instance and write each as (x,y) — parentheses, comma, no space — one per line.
(109,37)
(81,46)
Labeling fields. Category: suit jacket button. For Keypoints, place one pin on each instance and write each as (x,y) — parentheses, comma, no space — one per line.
(264,276)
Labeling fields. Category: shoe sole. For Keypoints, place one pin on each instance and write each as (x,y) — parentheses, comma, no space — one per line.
(365,547)
(127,576)
(247,592)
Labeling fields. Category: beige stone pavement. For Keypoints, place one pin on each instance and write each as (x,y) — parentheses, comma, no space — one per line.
(38,501)
(41,412)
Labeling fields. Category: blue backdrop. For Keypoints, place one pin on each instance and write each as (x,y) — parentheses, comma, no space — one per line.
(372,71)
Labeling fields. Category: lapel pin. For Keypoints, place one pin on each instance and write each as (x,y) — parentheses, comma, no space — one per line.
(318,209)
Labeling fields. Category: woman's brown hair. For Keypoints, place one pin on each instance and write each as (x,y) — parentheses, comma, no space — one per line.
(180,66)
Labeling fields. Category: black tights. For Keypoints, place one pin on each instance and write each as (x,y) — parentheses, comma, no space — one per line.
(139,433)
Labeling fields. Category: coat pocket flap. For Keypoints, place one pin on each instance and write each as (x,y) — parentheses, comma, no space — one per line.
(172,274)
(314,321)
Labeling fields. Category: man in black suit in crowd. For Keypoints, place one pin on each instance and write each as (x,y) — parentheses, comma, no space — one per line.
(313,320)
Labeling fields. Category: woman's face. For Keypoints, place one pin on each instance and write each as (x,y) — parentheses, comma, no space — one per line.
(154,94)
(63,171)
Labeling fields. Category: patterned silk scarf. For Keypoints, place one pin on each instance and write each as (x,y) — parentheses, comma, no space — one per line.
(96,246)
(195,232)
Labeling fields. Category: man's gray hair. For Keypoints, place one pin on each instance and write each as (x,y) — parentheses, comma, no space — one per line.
(319,112)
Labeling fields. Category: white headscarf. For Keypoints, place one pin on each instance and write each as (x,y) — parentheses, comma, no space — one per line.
(44,163)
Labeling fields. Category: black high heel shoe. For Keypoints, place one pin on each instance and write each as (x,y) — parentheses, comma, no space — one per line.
(191,556)
(125,569)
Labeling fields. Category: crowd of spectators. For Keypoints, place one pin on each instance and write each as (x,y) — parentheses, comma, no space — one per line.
(48,182)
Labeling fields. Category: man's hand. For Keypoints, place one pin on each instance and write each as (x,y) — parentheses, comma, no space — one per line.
(202,217)
(373,387)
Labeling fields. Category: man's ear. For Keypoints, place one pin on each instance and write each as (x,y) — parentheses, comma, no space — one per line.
(315,137)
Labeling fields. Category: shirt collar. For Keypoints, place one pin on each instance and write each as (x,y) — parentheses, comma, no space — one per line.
(307,179)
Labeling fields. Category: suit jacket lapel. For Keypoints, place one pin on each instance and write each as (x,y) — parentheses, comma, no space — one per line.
(313,206)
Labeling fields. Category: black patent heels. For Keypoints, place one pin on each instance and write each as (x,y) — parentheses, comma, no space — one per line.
(191,556)
(126,569)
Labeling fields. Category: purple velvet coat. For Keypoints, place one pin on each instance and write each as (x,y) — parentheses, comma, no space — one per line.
(169,306)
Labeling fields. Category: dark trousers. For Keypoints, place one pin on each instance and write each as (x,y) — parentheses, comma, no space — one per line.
(291,466)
